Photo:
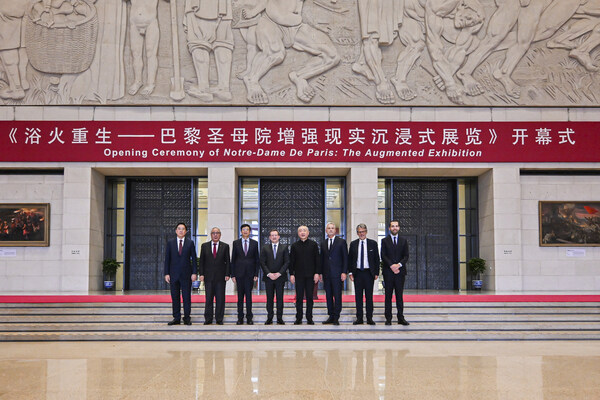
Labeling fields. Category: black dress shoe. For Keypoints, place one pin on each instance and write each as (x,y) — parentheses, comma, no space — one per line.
(310,322)
(174,321)
(207,322)
(269,321)
(388,322)
(358,322)
(335,322)
(187,321)
(250,322)
(219,322)
(240,322)
(329,321)
(280,322)
(403,322)
(296,322)
(370,322)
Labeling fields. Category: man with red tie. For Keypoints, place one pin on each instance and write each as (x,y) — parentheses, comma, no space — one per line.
(215,272)
(180,272)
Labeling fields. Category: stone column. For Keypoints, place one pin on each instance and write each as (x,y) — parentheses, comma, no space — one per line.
(83,229)
(500,228)
(222,205)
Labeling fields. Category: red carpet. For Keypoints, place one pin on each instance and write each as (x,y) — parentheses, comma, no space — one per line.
(415,298)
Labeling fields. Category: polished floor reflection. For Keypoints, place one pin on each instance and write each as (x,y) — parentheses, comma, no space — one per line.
(300,370)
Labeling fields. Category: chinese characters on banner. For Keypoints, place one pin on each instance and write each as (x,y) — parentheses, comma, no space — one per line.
(383,142)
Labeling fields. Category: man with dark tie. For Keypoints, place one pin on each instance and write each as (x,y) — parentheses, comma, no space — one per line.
(394,253)
(364,270)
(214,271)
(305,268)
(334,265)
(244,271)
(274,261)
(180,272)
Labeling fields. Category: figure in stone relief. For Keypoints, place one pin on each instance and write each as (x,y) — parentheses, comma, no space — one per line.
(105,79)
(433,23)
(207,24)
(249,17)
(279,28)
(13,57)
(379,23)
(524,17)
(587,16)
(144,35)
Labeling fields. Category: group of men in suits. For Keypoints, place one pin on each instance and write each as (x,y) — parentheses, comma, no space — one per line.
(306,264)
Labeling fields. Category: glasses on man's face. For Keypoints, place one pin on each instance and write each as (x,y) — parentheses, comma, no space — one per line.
(215,233)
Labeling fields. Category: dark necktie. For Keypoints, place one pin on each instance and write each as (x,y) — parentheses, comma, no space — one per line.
(395,240)
(362,255)
(274,251)
(245,247)
(330,243)
(214,250)
(180,246)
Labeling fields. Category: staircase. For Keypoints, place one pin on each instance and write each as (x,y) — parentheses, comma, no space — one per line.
(429,321)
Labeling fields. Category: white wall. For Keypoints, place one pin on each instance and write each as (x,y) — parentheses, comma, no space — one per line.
(34,268)
(548,268)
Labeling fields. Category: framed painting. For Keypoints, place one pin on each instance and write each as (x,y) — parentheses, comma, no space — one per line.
(25,224)
(569,223)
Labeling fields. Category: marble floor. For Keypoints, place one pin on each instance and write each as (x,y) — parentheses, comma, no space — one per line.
(301,370)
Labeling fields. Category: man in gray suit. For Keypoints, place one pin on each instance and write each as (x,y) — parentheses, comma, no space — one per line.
(274,261)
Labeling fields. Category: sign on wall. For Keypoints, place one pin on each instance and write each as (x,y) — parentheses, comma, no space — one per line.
(382,142)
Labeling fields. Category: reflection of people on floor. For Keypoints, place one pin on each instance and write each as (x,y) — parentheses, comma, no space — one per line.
(13,57)
(208,27)
(144,35)
(279,28)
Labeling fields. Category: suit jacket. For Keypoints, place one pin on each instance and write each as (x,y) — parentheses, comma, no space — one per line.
(214,268)
(278,264)
(372,256)
(244,265)
(180,267)
(334,261)
(391,254)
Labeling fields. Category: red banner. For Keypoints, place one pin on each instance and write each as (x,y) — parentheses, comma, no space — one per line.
(384,142)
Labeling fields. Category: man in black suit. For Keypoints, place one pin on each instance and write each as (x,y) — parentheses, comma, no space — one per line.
(364,270)
(244,271)
(214,271)
(334,265)
(274,261)
(305,271)
(180,272)
(394,253)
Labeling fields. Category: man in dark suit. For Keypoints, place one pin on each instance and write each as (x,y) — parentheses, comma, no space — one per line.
(274,261)
(334,265)
(305,271)
(180,272)
(214,271)
(364,270)
(244,271)
(394,253)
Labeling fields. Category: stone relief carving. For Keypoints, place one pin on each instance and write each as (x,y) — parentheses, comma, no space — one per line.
(297,52)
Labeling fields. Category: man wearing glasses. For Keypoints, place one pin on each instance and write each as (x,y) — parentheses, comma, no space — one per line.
(215,272)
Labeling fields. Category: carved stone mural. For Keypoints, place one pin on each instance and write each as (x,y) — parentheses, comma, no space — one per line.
(300,52)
